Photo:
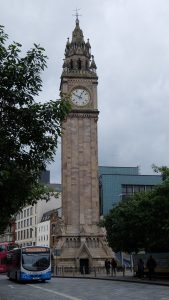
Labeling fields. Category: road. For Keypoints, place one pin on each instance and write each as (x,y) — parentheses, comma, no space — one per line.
(80,289)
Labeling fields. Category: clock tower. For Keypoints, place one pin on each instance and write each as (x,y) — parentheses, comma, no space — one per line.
(80,241)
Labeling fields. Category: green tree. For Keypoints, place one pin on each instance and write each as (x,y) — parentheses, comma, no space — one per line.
(29,130)
(142,221)
(164,170)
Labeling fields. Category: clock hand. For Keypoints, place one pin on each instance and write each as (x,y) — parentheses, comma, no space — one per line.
(76,95)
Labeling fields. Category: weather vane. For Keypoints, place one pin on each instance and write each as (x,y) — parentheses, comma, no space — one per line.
(77,14)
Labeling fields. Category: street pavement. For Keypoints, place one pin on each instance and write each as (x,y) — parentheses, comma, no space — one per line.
(81,288)
(128,277)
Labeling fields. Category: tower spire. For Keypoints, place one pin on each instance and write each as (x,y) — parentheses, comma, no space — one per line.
(77,15)
(78,57)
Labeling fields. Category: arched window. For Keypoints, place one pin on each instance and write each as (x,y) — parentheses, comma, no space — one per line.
(71,64)
(87,65)
(79,64)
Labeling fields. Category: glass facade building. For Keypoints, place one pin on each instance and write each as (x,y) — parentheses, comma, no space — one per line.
(117,183)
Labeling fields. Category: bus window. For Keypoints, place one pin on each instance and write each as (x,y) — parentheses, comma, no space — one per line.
(2,248)
(12,246)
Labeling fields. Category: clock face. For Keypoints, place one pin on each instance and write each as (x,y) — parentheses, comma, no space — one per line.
(80,97)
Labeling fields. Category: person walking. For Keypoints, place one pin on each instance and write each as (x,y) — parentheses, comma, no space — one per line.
(151,265)
(107,266)
(140,266)
(113,266)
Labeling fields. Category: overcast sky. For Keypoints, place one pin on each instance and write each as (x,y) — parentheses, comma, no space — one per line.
(130,42)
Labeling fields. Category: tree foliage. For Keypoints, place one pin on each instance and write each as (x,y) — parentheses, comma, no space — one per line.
(29,130)
(142,221)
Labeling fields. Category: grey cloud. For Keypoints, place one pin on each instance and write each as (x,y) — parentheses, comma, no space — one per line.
(130,42)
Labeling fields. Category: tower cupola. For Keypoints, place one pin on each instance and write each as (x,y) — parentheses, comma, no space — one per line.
(78,58)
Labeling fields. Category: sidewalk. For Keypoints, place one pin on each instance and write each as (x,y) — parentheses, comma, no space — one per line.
(127,278)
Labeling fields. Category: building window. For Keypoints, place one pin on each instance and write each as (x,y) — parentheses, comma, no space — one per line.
(79,64)
(53,228)
(138,188)
(149,188)
(71,64)
(129,190)
(31,210)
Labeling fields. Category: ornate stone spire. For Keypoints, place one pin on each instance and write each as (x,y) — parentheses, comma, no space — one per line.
(77,35)
(78,54)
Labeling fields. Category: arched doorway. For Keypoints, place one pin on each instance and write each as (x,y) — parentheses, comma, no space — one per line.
(84,266)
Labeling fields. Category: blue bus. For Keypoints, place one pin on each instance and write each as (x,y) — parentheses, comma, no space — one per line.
(29,263)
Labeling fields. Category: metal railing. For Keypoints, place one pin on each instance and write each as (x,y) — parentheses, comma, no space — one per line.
(85,271)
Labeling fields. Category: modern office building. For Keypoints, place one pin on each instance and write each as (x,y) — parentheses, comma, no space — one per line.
(116,183)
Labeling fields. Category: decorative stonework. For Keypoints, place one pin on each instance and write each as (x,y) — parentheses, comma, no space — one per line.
(78,239)
(84,114)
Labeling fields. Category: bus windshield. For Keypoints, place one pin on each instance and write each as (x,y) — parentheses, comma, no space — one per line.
(35,261)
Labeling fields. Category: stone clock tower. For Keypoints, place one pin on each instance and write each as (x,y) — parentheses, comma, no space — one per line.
(80,241)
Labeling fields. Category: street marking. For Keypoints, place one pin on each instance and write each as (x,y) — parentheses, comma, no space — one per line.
(11,286)
(57,293)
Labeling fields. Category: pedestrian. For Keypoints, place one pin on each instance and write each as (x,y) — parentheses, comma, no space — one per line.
(140,268)
(107,266)
(151,265)
(113,266)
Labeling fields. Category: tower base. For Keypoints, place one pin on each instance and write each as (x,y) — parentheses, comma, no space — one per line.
(82,250)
